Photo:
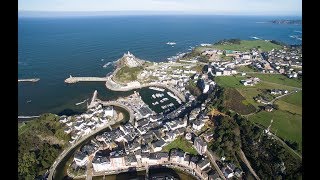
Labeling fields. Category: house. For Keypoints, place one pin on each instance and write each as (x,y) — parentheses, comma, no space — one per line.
(213,175)
(80,158)
(158,145)
(197,125)
(188,136)
(200,145)
(145,157)
(117,160)
(193,162)
(176,156)
(203,164)
(131,160)
(186,160)
(101,162)
(268,108)
(158,158)
(228,173)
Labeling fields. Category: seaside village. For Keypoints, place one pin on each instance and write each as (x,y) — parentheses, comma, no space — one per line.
(140,143)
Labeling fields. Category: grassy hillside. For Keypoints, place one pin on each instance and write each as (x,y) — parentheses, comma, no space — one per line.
(126,74)
(39,143)
(246,45)
(235,101)
(181,143)
(285,124)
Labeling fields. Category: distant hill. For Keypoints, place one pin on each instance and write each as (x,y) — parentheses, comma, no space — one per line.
(286,21)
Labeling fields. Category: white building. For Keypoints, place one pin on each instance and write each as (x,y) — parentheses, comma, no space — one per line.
(80,159)
(109,111)
(200,145)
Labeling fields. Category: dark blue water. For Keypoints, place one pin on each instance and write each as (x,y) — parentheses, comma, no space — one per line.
(53,48)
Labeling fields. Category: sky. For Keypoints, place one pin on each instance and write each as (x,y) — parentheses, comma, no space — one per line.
(224,7)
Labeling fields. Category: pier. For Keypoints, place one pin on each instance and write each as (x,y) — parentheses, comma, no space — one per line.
(85,79)
(29,80)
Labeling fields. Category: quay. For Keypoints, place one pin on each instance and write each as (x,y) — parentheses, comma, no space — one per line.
(29,80)
(27,117)
(110,84)
(86,79)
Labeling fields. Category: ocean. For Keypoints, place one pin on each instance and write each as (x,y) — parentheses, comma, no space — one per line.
(54,48)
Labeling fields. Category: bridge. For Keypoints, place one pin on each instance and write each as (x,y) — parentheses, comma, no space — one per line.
(84,79)
(29,80)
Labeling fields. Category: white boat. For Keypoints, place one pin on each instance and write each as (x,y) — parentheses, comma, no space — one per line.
(171,43)
(156,88)
(153,96)
(155,103)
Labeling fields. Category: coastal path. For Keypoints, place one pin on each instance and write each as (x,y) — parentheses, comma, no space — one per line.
(213,161)
(245,160)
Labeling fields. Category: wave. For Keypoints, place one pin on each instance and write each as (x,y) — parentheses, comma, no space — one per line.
(108,64)
(254,37)
(296,37)
(298,31)
(81,102)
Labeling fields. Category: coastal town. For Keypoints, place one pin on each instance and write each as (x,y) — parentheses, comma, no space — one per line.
(227,110)
(141,144)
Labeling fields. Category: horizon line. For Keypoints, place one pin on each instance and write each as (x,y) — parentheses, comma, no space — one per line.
(32,13)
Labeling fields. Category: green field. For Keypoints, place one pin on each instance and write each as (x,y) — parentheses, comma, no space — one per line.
(249,44)
(252,91)
(295,98)
(235,101)
(126,74)
(279,79)
(229,81)
(286,125)
(269,81)
(245,69)
(289,107)
(181,143)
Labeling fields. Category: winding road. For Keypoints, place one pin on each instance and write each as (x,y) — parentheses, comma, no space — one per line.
(245,160)
(79,141)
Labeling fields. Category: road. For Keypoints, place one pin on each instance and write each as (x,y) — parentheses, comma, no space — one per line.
(286,146)
(79,141)
(282,142)
(245,160)
(271,102)
(213,161)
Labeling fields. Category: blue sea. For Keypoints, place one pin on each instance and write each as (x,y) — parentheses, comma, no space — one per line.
(54,48)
